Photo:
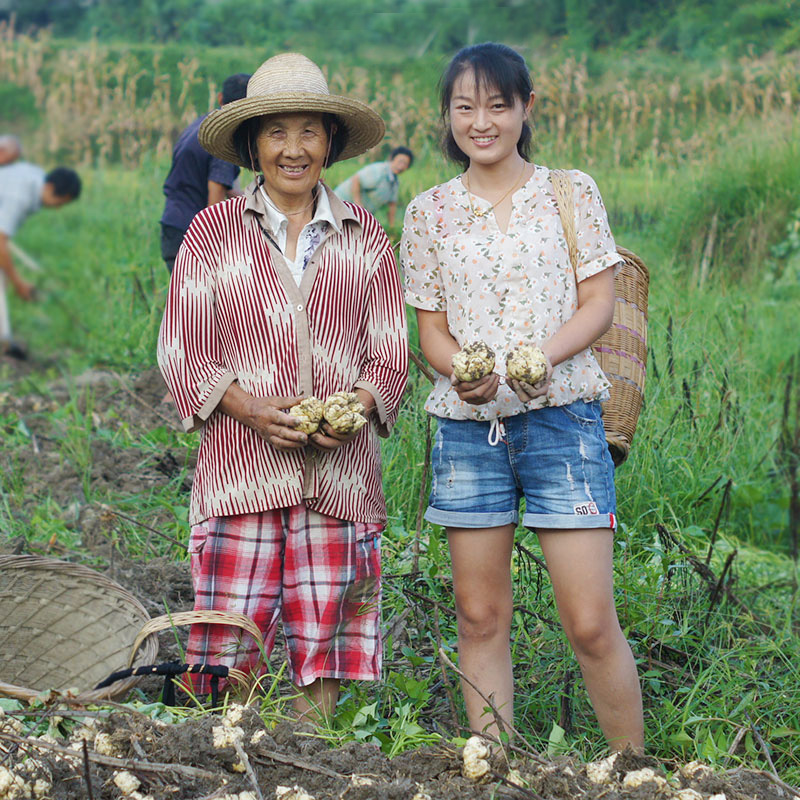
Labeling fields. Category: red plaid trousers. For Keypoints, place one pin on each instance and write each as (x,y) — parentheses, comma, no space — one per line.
(318,574)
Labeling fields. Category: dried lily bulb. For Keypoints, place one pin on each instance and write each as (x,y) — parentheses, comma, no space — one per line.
(476,754)
(473,362)
(344,412)
(308,414)
(526,363)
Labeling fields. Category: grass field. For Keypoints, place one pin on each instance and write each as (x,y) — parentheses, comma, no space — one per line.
(706,571)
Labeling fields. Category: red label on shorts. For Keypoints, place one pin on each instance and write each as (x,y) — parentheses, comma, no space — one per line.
(585,509)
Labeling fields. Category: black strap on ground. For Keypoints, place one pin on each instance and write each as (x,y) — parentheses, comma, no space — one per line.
(169,670)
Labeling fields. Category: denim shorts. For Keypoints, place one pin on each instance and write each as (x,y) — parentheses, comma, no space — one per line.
(555,457)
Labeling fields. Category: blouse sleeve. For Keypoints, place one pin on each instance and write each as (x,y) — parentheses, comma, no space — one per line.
(385,370)
(419,261)
(189,352)
(596,247)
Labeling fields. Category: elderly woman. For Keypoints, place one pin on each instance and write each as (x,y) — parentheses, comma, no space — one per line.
(282,294)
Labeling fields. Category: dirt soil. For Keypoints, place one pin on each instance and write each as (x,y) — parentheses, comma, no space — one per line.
(180,761)
(192,761)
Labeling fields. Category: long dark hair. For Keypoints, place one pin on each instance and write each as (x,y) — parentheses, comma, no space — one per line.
(497,68)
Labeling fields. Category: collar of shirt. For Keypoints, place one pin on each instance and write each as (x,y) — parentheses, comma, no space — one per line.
(277,222)
(256,209)
(538,178)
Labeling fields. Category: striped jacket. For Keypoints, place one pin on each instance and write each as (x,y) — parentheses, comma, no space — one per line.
(235,313)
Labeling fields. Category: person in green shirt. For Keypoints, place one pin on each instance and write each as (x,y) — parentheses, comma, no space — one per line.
(376,185)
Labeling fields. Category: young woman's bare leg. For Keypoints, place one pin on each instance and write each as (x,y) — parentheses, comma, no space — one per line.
(580,567)
(481,560)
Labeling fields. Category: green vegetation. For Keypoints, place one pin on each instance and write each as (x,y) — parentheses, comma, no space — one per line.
(706,570)
(396,28)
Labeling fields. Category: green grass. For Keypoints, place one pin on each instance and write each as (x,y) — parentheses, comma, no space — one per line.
(707,475)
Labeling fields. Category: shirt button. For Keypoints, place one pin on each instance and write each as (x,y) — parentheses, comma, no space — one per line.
(300,307)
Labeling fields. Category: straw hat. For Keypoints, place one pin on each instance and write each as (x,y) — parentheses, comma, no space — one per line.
(285,83)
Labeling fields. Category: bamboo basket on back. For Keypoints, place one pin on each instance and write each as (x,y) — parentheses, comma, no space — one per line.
(622,350)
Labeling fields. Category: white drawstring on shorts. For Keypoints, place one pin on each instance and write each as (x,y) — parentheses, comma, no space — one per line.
(497,432)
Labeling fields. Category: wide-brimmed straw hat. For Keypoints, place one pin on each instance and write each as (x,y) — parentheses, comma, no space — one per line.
(283,84)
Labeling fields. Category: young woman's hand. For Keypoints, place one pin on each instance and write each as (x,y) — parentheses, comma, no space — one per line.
(527,391)
(477,392)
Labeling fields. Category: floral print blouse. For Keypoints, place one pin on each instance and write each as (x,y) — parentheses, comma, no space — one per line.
(506,289)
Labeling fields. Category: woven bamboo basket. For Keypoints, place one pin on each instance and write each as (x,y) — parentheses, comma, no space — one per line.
(622,350)
(622,354)
(66,626)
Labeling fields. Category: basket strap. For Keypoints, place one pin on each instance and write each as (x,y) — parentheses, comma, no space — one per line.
(562,186)
(170,670)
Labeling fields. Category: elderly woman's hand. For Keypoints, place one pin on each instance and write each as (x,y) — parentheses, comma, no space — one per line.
(267,417)
(326,438)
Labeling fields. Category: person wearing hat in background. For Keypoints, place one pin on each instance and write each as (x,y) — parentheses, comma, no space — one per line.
(24,189)
(196,179)
(283,293)
(376,185)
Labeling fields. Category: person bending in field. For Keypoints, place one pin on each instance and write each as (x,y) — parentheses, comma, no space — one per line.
(196,178)
(24,189)
(485,260)
(282,294)
(377,185)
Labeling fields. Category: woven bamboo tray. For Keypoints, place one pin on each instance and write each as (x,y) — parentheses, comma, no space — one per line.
(66,626)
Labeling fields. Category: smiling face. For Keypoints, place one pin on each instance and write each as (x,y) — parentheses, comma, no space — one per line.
(291,153)
(485,126)
(400,163)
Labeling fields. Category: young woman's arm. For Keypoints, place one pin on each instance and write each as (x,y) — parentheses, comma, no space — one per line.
(591,320)
(439,347)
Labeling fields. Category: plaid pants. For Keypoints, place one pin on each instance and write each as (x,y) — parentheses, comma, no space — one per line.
(318,574)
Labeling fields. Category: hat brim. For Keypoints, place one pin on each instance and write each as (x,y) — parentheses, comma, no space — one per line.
(364,127)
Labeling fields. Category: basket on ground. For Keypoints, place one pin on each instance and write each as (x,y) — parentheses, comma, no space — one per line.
(66,626)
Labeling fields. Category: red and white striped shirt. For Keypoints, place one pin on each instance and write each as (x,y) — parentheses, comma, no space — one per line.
(235,313)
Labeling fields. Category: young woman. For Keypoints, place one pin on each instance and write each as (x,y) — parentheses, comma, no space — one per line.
(484,259)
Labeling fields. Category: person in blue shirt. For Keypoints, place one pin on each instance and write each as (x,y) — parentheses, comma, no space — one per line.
(196,179)
(376,185)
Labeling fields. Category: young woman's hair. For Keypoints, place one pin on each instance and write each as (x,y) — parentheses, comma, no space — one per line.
(496,68)
(244,139)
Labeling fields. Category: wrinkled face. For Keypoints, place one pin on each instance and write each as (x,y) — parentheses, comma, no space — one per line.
(291,152)
(484,125)
(400,163)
